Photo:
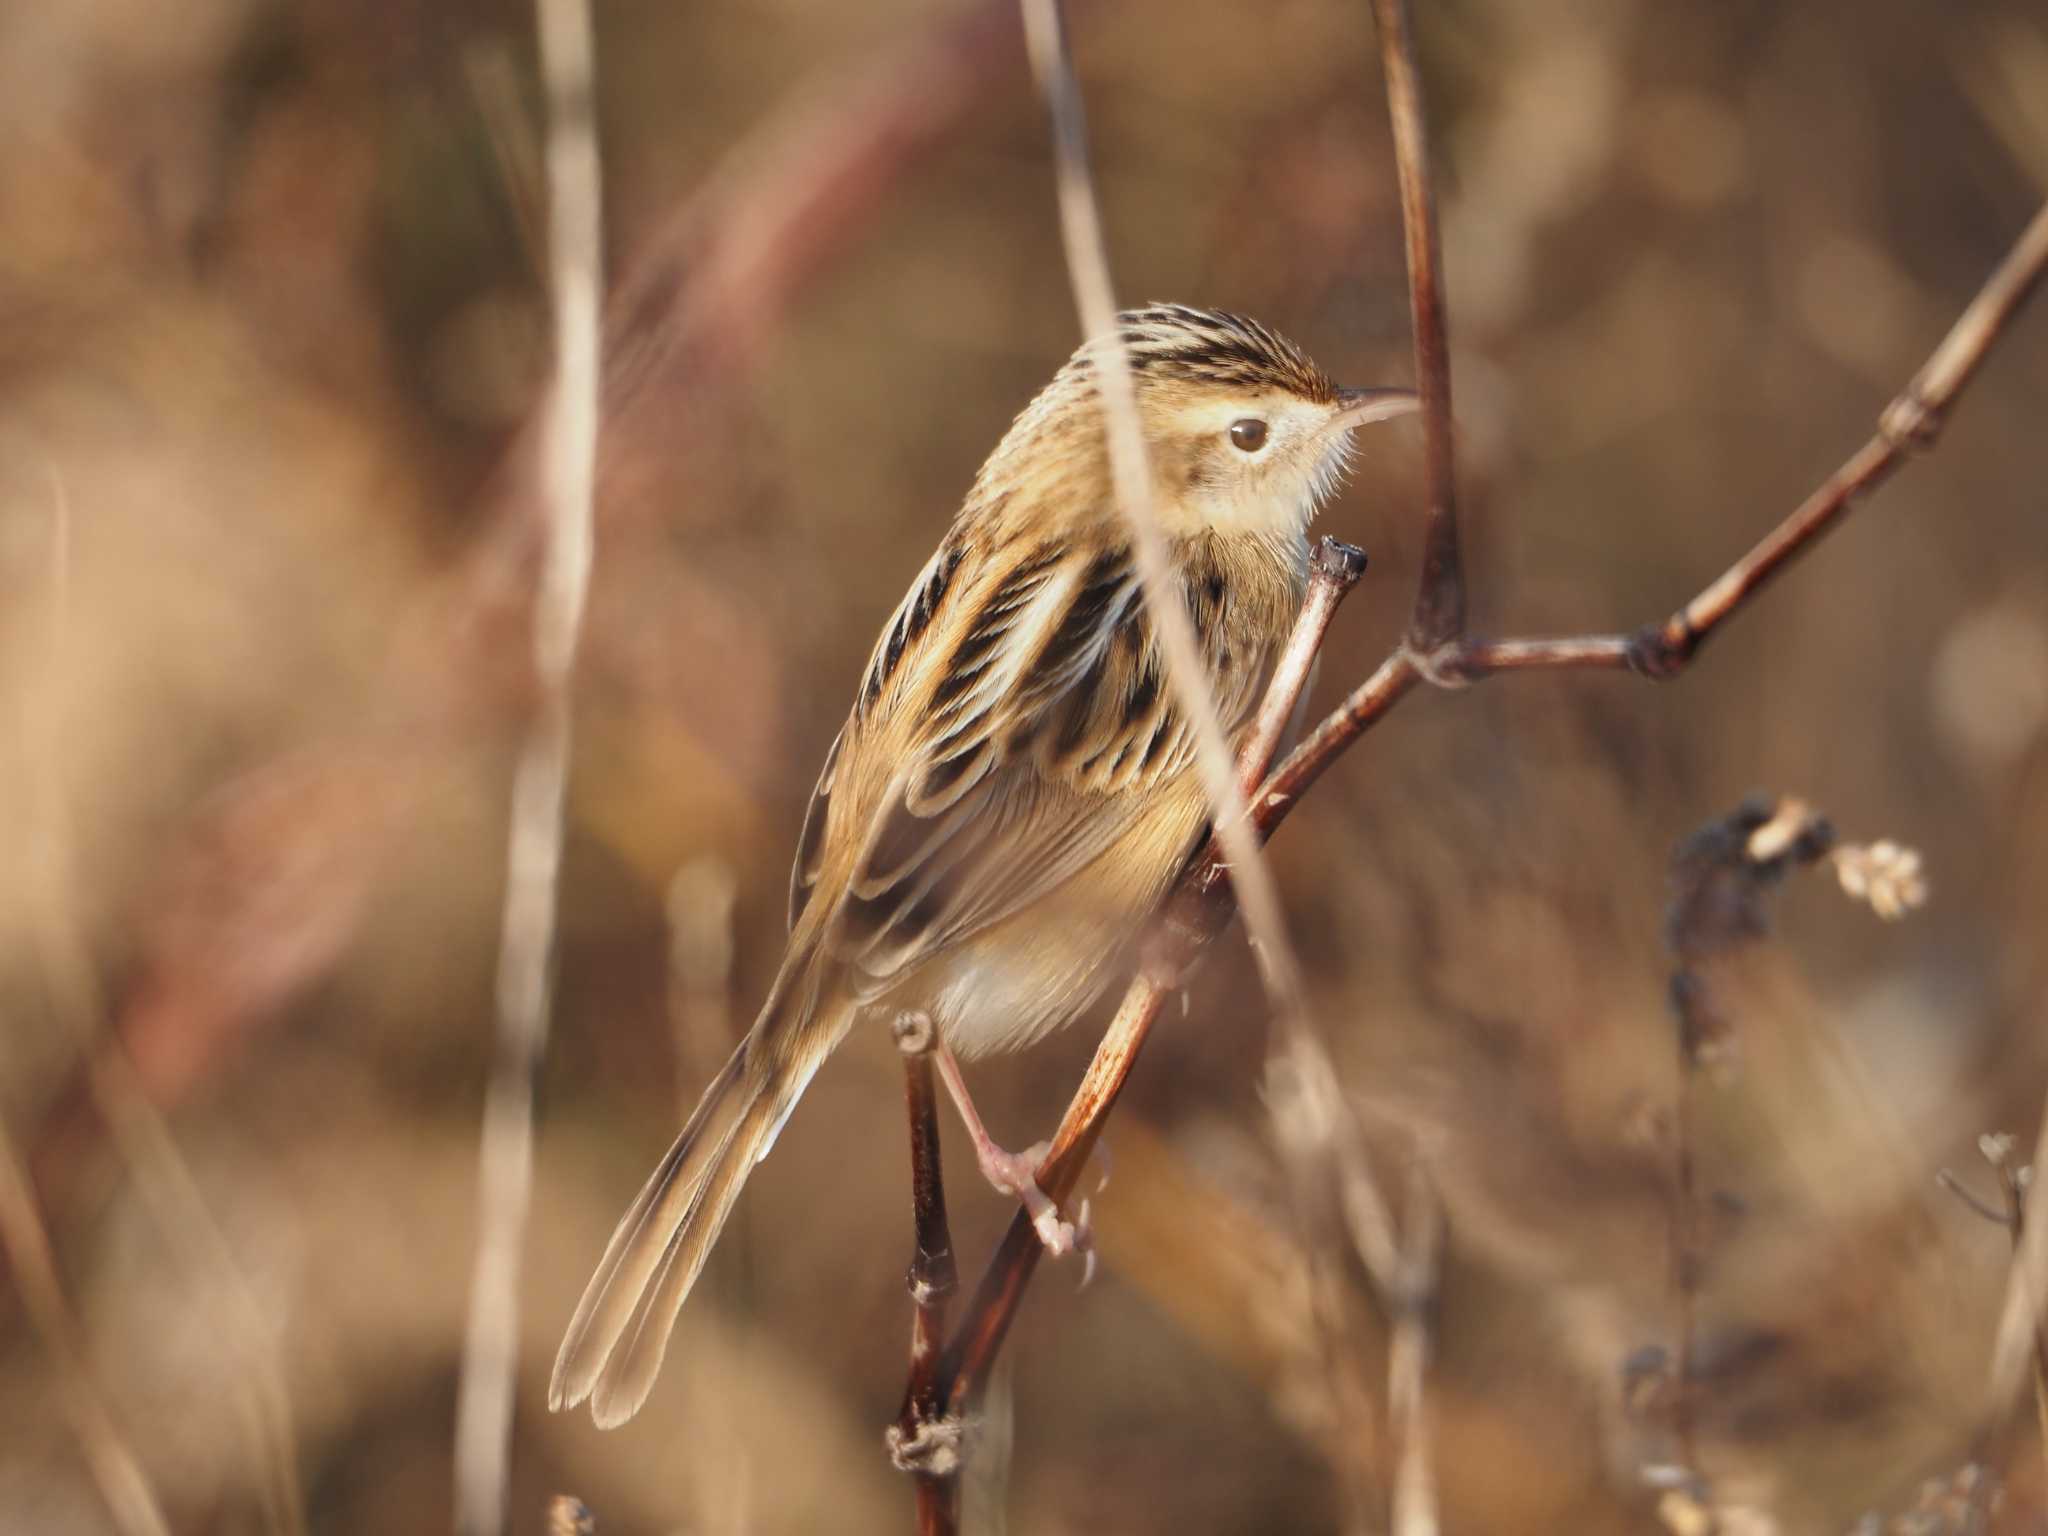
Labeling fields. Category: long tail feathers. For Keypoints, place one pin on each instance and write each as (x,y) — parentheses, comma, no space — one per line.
(620,1332)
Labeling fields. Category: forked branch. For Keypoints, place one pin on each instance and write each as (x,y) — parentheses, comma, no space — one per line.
(1438,653)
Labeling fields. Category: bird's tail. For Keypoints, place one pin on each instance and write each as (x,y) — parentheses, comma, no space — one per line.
(620,1332)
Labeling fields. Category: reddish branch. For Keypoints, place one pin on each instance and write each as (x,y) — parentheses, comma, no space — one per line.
(924,1440)
(1196,913)
(1663,650)
(1440,596)
(1201,906)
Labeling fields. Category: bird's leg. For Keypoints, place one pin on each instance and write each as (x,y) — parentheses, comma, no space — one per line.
(1013,1173)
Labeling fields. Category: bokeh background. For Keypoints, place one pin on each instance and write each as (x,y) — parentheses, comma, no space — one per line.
(272,327)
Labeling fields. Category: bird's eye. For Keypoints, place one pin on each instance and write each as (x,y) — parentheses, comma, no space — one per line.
(1248,433)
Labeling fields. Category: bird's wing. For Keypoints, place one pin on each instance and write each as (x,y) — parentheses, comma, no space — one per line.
(1010,724)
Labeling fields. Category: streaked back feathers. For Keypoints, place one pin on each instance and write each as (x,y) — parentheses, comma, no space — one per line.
(1014,787)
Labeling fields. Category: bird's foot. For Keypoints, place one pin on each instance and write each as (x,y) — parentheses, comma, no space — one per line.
(1016,1174)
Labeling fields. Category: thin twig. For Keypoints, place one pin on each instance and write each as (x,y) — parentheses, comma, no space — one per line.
(1258,895)
(1198,909)
(2022,1332)
(1663,650)
(925,1439)
(1963,1192)
(568,467)
(1193,917)
(2012,1188)
(1439,616)
(1686,1258)
(1412,1305)
(1303,1095)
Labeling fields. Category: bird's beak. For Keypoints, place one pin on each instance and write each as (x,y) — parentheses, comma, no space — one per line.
(1358,407)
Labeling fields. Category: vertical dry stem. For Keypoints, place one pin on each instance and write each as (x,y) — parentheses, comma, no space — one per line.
(1088,267)
(1411,1303)
(2022,1333)
(925,1439)
(1308,1108)
(1439,616)
(1192,919)
(568,464)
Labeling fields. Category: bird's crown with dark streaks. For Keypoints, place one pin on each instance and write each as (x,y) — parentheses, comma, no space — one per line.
(1212,346)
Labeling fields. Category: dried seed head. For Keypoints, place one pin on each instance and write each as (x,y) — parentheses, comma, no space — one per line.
(1883,875)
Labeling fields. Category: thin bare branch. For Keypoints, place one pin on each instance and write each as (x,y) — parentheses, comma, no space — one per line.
(1199,907)
(1412,1303)
(925,1439)
(1193,917)
(1955,1186)
(1439,617)
(2022,1341)
(1088,266)
(526,948)
(1663,650)
(1302,1089)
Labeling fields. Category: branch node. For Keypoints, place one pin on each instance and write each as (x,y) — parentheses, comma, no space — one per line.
(1441,666)
(1335,561)
(914,1032)
(927,1447)
(932,1277)
(1660,652)
(1911,421)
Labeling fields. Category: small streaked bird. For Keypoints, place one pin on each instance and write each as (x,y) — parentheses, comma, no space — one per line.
(1014,789)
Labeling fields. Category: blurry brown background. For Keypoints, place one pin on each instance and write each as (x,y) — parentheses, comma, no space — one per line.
(270,323)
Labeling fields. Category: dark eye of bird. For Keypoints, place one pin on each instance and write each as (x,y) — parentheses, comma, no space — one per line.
(1248,433)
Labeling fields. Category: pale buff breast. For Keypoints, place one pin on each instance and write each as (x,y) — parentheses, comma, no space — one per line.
(1022,979)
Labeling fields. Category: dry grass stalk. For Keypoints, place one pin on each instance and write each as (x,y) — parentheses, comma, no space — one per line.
(2015,1181)
(1194,916)
(270,879)
(1307,1106)
(569,471)
(1413,1306)
(1199,908)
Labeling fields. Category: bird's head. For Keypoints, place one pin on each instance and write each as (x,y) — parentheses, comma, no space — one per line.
(1243,433)
(1243,430)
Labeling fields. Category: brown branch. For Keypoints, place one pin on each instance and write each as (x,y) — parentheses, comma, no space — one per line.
(1258,894)
(1302,1088)
(1663,650)
(1439,616)
(925,1439)
(1193,917)
(1199,907)
(1722,876)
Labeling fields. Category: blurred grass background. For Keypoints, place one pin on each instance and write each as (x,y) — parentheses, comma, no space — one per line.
(270,324)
